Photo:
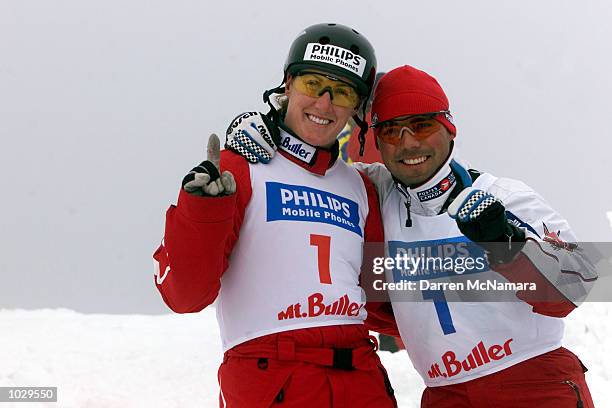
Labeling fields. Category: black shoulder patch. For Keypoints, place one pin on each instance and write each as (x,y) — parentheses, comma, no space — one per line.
(474,174)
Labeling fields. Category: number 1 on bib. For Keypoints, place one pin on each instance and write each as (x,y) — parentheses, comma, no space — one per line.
(322,242)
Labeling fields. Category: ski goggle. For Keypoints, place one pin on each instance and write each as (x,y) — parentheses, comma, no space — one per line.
(315,85)
(418,126)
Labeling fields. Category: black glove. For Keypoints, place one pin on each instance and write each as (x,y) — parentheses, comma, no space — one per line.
(253,136)
(205,179)
(482,218)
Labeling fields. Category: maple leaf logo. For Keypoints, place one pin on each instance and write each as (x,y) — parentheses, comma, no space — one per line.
(554,239)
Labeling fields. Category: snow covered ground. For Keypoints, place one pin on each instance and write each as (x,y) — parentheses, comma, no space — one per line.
(125,361)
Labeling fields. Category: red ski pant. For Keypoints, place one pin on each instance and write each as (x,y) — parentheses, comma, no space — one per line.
(551,380)
(300,368)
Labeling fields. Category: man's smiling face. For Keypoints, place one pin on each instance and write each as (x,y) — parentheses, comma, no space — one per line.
(414,160)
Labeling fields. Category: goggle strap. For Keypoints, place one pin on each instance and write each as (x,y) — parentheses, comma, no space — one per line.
(363,128)
(273,113)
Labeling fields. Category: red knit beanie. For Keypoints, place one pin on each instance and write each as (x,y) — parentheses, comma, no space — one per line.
(408,91)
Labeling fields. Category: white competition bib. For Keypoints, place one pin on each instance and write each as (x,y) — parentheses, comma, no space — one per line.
(453,342)
(298,258)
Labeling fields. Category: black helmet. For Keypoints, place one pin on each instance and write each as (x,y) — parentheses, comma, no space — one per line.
(336,49)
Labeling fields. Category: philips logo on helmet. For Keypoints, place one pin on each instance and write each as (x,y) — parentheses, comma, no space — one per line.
(287,202)
(334,55)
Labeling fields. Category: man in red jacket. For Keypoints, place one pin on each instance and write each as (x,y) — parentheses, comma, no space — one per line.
(280,247)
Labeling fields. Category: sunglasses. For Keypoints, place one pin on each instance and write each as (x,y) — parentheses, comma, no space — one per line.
(315,85)
(418,126)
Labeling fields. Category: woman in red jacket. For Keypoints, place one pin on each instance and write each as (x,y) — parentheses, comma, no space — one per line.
(291,320)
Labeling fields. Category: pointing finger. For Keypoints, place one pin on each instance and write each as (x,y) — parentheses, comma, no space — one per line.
(213,150)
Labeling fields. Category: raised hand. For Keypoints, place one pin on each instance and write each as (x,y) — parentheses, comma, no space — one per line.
(482,218)
(205,179)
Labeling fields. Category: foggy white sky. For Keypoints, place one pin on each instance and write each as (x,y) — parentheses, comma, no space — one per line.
(104,105)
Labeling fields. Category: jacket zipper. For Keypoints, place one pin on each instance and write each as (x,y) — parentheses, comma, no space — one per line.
(407,204)
(576,389)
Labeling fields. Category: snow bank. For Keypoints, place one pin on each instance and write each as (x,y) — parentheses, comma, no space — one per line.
(119,361)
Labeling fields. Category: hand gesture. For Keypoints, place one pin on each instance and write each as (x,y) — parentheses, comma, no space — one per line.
(205,179)
(480,216)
